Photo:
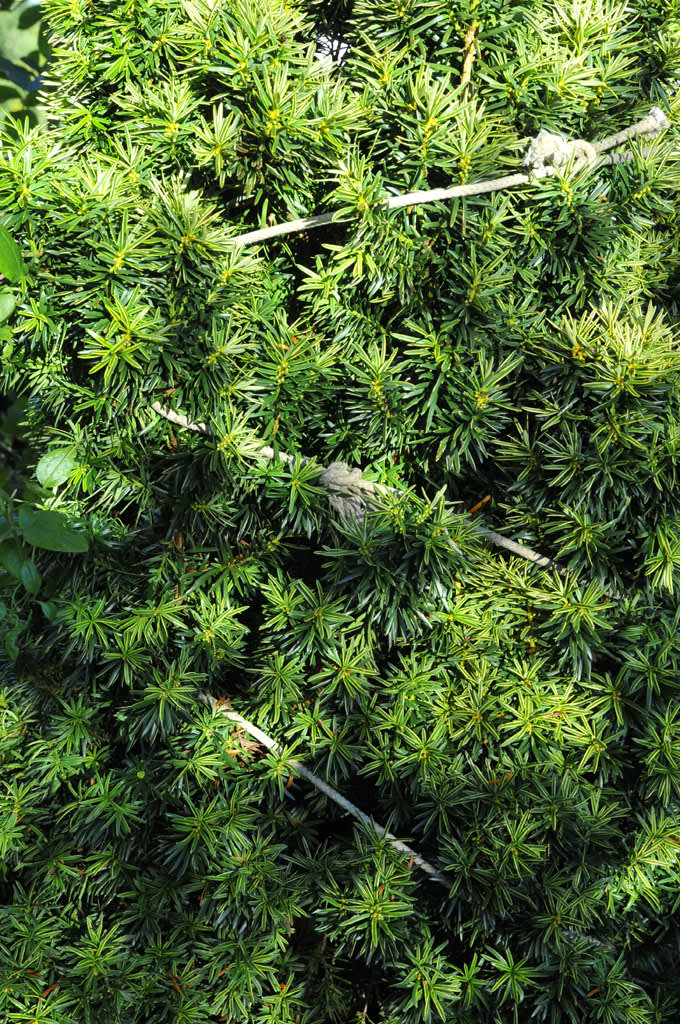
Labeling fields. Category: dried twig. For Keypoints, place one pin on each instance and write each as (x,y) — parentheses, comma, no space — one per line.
(469,50)
(519,549)
(323,787)
(180,420)
(348,492)
(480,504)
(584,153)
(351,495)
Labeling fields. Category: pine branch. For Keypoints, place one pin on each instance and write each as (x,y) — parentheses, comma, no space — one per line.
(327,790)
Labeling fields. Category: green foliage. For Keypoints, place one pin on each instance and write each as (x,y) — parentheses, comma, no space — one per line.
(24,52)
(11,264)
(516,723)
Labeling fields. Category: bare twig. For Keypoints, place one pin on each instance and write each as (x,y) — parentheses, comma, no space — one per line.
(480,504)
(323,787)
(348,492)
(469,51)
(179,419)
(351,495)
(655,122)
(520,549)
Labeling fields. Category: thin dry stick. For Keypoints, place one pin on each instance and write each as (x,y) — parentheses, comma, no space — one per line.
(348,492)
(655,121)
(469,49)
(181,420)
(520,549)
(327,790)
(480,504)
(347,483)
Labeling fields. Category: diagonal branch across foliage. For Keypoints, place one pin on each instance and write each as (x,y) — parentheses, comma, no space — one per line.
(516,722)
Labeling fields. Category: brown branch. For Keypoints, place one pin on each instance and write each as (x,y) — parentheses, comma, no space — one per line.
(469,50)
(480,504)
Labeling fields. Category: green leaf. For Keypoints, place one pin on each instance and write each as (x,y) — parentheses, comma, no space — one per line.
(7,304)
(49,610)
(13,424)
(12,557)
(30,577)
(54,468)
(10,92)
(49,530)
(11,264)
(11,645)
(29,16)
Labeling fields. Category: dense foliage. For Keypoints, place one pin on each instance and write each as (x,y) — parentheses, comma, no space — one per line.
(518,725)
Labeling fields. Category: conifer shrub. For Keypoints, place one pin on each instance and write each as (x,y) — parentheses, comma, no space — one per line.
(516,723)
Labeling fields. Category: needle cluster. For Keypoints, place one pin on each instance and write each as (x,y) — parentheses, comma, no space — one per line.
(512,724)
